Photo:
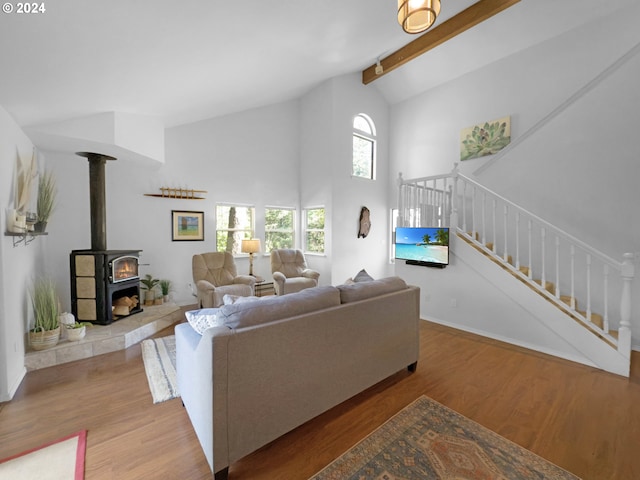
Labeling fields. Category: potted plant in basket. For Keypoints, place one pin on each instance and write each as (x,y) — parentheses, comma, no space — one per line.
(46,330)
(76,331)
(149,284)
(46,202)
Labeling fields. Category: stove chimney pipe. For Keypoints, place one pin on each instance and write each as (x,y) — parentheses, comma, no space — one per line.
(97,199)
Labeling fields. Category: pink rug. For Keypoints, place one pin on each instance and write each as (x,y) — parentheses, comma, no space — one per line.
(62,459)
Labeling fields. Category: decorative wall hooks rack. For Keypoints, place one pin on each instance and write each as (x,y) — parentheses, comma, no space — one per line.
(186,193)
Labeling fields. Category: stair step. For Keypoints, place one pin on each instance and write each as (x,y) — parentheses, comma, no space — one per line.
(596,318)
(548,286)
(524,270)
(566,299)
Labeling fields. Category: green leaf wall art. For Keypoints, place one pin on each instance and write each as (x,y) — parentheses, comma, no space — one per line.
(485,139)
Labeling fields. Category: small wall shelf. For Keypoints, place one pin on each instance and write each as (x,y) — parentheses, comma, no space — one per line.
(23,237)
(185,193)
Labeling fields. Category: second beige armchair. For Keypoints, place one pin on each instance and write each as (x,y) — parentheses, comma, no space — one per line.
(290,271)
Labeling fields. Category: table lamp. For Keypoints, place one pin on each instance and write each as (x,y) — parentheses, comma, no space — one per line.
(250,246)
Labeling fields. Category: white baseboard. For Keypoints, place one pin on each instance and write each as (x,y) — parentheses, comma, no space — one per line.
(5,397)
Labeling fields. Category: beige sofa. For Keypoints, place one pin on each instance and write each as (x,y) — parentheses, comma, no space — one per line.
(271,365)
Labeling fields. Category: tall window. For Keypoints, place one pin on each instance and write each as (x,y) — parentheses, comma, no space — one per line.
(364,147)
(314,230)
(279,230)
(233,223)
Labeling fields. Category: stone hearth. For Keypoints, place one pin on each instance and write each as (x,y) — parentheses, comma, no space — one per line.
(108,338)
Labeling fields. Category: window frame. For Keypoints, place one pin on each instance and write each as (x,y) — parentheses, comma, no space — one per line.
(306,230)
(249,233)
(368,136)
(267,230)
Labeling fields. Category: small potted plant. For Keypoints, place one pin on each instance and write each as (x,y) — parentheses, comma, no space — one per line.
(165,287)
(149,284)
(46,201)
(46,330)
(76,331)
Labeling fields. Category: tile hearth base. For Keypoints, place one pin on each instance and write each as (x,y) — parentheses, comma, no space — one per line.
(101,339)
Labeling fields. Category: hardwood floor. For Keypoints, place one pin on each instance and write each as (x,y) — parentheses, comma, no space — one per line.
(584,420)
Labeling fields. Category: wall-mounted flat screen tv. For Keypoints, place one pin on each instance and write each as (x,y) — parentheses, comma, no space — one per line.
(428,246)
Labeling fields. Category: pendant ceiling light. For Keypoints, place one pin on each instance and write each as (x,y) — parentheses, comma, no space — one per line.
(415,16)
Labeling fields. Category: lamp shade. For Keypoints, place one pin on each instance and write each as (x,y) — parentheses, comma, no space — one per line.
(416,16)
(250,245)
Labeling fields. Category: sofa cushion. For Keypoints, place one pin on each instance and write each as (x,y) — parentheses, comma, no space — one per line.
(363,290)
(272,308)
(202,319)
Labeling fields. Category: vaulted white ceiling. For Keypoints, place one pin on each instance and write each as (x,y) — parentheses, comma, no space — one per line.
(185,61)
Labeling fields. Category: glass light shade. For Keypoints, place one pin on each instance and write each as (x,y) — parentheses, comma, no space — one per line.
(250,245)
(416,16)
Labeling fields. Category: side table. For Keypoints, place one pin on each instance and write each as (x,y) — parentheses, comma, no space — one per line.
(263,287)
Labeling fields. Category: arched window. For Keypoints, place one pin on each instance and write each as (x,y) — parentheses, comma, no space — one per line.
(364,147)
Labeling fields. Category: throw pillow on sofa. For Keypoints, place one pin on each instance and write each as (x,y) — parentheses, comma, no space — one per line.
(362,276)
(231,299)
(202,319)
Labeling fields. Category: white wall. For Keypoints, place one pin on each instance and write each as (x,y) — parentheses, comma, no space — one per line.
(18,265)
(326,151)
(578,171)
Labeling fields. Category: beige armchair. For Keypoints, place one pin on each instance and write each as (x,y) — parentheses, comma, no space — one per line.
(215,276)
(290,271)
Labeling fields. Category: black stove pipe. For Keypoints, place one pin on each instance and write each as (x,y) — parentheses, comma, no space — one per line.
(97,199)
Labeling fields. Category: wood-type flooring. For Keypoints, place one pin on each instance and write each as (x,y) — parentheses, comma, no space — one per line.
(582,419)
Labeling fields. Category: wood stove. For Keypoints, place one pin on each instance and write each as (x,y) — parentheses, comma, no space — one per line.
(105,284)
(100,283)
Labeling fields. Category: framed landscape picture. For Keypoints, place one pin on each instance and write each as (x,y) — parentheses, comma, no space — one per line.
(187,226)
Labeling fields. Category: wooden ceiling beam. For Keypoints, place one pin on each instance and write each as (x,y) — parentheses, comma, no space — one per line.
(475,14)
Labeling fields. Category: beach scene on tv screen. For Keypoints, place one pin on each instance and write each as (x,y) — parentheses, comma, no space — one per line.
(423,244)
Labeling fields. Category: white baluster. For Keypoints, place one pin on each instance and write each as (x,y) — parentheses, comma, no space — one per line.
(557,267)
(484,227)
(605,324)
(529,226)
(588,287)
(517,264)
(624,331)
(494,233)
(573,277)
(473,212)
(464,207)
(506,253)
(543,234)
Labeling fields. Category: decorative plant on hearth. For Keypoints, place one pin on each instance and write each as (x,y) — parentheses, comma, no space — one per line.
(46,202)
(165,286)
(149,284)
(76,331)
(44,299)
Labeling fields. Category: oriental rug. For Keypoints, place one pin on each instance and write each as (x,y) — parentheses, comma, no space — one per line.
(159,357)
(59,460)
(427,440)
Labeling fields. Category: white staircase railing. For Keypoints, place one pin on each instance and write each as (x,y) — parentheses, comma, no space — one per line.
(588,285)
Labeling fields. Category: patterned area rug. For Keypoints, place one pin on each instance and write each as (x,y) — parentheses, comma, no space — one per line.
(427,440)
(159,357)
(59,460)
